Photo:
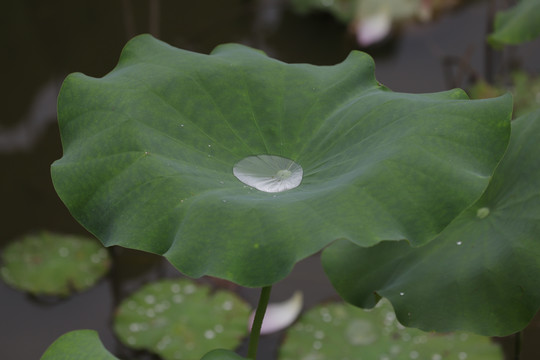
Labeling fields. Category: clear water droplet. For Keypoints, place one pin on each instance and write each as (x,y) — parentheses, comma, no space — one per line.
(482,212)
(436,357)
(209,334)
(269,173)
(413,354)
(401,293)
(360,332)
(462,355)
(459,243)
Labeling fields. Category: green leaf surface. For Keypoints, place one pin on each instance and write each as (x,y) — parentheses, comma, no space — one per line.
(338,331)
(221,354)
(149,152)
(516,25)
(482,274)
(178,319)
(53,264)
(80,345)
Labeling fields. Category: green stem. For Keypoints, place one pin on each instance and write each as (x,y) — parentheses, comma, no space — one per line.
(517,346)
(257,322)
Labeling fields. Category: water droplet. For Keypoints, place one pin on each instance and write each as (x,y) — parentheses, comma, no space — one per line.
(134,327)
(360,332)
(462,355)
(177,299)
(413,354)
(189,289)
(319,334)
(175,288)
(227,305)
(459,243)
(218,328)
(63,251)
(317,345)
(181,125)
(95,258)
(436,357)
(221,182)
(401,293)
(131,340)
(149,299)
(269,173)
(395,349)
(150,313)
(482,212)
(209,334)
(224,200)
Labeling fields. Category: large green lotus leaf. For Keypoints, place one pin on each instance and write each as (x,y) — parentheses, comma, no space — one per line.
(53,264)
(149,152)
(339,331)
(482,274)
(179,319)
(518,24)
(80,345)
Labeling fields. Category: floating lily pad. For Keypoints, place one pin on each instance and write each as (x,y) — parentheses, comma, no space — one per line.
(222,355)
(80,345)
(178,319)
(53,264)
(482,274)
(338,331)
(150,152)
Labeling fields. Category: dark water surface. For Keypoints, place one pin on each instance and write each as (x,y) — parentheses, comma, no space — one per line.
(44,41)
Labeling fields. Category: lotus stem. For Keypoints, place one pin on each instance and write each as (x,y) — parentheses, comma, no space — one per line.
(257,322)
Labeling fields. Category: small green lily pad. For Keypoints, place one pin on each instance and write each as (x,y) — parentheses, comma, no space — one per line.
(179,319)
(339,331)
(53,264)
(80,345)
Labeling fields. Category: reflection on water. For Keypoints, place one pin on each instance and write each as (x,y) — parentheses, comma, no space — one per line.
(45,39)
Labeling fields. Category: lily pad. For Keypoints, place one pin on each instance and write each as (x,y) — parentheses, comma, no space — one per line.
(516,25)
(482,274)
(222,355)
(338,331)
(80,345)
(53,264)
(178,319)
(150,151)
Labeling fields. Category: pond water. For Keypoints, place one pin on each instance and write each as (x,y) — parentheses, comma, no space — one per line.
(44,41)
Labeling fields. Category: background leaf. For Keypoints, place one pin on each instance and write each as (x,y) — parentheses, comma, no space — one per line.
(482,274)
(518,24)
(149,152)
(222,355)
(178,319)
(340,331)
(80,345)
(54,264)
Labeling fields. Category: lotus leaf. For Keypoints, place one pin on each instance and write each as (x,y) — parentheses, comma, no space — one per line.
(150,148)
(80,345)
(518,24)
(179,319)
(54,264)
(339,331)
(482,274)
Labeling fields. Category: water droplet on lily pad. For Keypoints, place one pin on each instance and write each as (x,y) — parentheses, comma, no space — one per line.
(53,264)
(269,173)
(375,335)
(192,322)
